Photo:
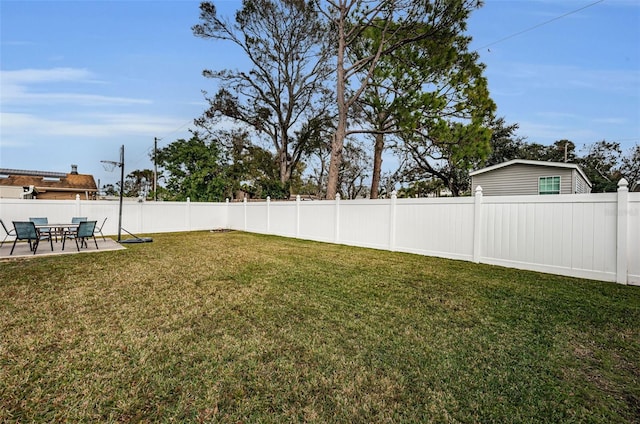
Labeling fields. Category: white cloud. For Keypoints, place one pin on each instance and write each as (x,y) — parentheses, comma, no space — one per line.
(534,75)
(564,116)
(612,121)
(17,88)
(25,76)
(17,125)
(547,133)
(202,103)
(63,113)
(17,97)
(14,142)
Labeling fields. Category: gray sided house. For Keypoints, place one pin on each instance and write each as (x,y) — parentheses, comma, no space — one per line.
(527,177)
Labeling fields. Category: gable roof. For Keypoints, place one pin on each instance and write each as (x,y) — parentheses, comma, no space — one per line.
(49,181)
(534,163)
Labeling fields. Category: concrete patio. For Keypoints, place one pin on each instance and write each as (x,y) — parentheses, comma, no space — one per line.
(44,249)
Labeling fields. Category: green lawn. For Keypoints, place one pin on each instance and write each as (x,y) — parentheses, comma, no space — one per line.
(237,327)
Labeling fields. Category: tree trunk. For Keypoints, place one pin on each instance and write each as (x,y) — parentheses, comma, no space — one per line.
(336,159)
(377,166)
(284,169)
(455,190)
(337,143)
(283,154)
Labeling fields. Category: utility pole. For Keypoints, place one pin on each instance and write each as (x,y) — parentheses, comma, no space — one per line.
(155,168)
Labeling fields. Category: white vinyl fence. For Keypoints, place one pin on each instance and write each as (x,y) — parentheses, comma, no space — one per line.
(594,236)
(137,217)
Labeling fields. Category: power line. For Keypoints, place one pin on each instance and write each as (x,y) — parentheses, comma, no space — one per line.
(177,129)
(626,139)
(150,150)
(539,25)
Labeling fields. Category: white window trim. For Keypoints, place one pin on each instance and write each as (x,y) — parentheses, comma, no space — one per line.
(551,176)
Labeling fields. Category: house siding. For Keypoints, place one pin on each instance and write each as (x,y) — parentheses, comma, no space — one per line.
(581,186)
(522,179)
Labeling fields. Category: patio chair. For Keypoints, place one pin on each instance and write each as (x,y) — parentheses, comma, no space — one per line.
(85,230)
(46,230)
(9,233)
(28,231)
(99,229)
(74,220)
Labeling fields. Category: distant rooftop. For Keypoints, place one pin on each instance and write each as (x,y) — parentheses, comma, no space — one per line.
(46,174)
(50,184)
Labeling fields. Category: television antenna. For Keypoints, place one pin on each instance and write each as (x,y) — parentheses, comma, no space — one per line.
(110,165)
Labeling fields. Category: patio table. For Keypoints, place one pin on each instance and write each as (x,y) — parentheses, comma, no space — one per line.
(59,228)
(58,225)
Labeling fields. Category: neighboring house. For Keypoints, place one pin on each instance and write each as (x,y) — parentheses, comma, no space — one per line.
(23,184)
(521,177)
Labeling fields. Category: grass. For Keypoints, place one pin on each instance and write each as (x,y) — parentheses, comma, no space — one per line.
(236,327)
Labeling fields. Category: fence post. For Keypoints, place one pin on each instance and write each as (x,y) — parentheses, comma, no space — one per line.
(227,225)
(337,219)
(140,209)
(298,216)
(392,221)
(477,222)
(188,212)
(622,250)
(244,208)
(78,211)
(268,214)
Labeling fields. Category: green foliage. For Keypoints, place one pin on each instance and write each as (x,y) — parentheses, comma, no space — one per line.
(505,144)
(602,166)
(630,168)
(603,162)
(284,88)
(425,188)
(139,183)
(553,153)
(272,188)
(411,36)
(353,172)
(110,189)
(440,102)
(448,153)
(404,76)
(196,169)
(254,170)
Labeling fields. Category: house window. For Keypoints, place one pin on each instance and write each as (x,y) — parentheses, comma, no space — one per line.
(549,185)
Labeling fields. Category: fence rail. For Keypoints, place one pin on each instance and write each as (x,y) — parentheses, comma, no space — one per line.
(594,236)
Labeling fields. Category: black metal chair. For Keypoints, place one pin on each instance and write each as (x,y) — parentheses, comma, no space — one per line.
(9,233)
(28,231)
(85,230)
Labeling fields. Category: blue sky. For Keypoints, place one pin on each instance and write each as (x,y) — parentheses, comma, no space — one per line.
(81,78)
